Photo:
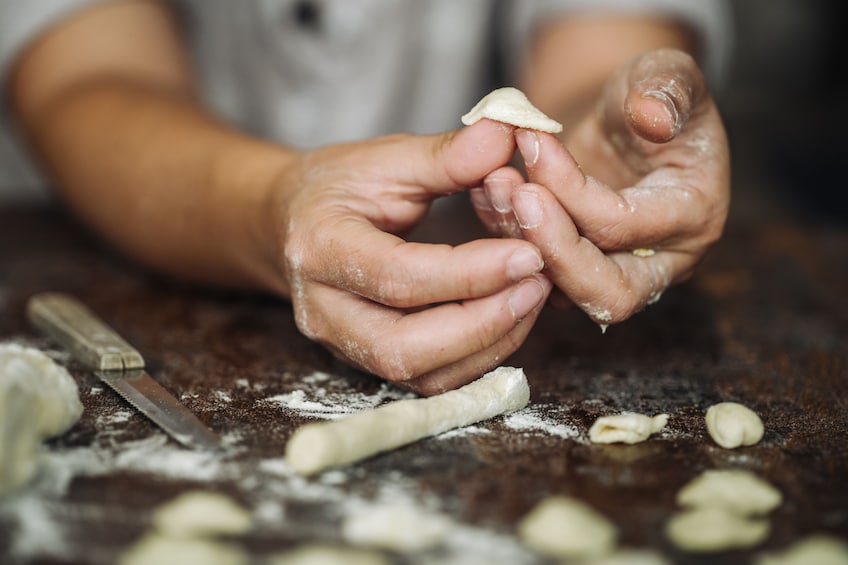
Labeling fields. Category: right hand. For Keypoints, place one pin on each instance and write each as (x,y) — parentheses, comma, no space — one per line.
(427,317)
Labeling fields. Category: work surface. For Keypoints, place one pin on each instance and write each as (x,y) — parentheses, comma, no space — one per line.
(764,322)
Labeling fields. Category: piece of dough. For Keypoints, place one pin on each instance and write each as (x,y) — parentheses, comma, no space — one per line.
(630,557)
(814,550)
(317,446)
(566,528)
(201,513)
(163,550)
(735,490)
(38,399)
(626,428)
(401,528)
(732,425)
(511,106)
(715,529)
(328,555)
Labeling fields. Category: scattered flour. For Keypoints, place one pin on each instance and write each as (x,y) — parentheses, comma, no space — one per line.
(533,419)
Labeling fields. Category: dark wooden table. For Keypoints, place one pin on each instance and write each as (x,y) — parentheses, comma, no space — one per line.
(764,322)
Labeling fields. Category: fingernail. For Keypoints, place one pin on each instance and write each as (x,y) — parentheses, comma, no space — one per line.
(528,145)
(525,298)
(523,263)
(667,102)
(528,209)
(479,199)
(498,191)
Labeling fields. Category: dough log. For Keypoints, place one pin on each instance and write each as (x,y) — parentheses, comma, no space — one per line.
(318,446)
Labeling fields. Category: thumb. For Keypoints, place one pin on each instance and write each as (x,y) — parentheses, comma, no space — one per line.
(456,160)
(664,88)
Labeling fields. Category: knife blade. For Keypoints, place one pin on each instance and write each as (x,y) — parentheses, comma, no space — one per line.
(115,362)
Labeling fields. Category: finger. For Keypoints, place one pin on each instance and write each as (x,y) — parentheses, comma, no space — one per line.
(663,208)
(449,162)
(664,88)
(610,288)
(400,346)
(356,257)
(493,206)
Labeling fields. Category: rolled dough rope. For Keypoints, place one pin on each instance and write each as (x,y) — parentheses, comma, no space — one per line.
(318,446)
(511,106)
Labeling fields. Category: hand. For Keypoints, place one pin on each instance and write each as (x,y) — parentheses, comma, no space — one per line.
(428,317)
(658,199)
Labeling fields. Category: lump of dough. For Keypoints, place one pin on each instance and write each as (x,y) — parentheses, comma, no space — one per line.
(401,528)
(735,490)
(328,555)
(163,550)
(317,446)
(201,513)
(817,549)
(38,399)
(626,428)
(511,106)
(715,529)
(631,557)
(566,528)
(732,425)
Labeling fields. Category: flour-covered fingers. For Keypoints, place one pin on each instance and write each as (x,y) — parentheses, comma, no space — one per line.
(356,257)
(609,287)
(399,345)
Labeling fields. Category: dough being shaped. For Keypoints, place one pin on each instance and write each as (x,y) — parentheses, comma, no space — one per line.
(328,555)
(817,549)
(201,513)
(315,447)
(563,527)
(401,528)
(38,399)
(734,490)
(715,529)
(626,428)
(163,550)
(732,425)
(511,106)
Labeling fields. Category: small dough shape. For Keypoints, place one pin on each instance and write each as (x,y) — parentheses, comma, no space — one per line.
(631,557)
(318,446)
(732,425)
(400,528)
(735,490)
(163,550)
(817,549)
(715,529)
(511,106)
(563,527)
(626,428)
(201,513)
(317,554)
(38,399)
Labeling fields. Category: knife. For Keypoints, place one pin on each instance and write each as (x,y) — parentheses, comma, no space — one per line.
(116,363)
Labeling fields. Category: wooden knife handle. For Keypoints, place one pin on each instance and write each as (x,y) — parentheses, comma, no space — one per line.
(66,320)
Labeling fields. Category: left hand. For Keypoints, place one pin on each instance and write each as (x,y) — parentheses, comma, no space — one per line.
(659,197)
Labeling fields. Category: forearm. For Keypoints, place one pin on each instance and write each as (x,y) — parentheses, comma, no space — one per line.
(164,182)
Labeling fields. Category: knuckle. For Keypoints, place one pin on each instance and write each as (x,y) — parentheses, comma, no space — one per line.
(396,286)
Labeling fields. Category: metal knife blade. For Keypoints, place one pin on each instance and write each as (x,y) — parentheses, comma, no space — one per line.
(116,363)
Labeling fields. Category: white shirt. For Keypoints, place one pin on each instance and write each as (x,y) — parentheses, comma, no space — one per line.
(312,72)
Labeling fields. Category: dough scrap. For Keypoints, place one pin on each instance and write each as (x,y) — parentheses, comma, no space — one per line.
(732,425)
(401,528)
(317,554)
(734,490)
(201,513)
(38,399)
(817,549)
(563,527)
(626,428)
(511,106)
(715,529)
(318,446)
(164,550)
